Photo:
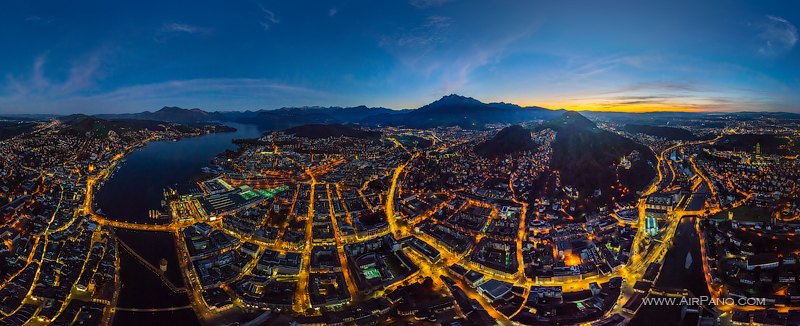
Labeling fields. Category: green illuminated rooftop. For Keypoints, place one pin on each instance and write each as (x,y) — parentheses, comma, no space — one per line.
(371,273)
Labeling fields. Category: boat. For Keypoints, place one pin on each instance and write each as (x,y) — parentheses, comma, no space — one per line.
(688,260)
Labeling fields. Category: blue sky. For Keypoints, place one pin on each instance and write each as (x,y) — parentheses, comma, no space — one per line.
(111,56)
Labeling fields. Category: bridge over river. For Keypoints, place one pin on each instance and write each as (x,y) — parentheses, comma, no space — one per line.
(152,268)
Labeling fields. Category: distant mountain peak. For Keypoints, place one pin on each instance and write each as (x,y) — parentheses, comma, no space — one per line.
(456,96)
(575,119)
(452,102)
(457,99)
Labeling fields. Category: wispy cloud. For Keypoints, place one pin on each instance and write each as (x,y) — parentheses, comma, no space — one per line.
(441,48)
(415,45)
(422,4)
(268,18)
(332,12)
(36,19)
(458,74)
(776,36)
(184,28)
(598,66)
(212,93)
(174,29)
(83,75)
(208,93)
(671,96)
(438,22)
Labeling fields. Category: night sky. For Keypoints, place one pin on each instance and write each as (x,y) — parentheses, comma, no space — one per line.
(114,56)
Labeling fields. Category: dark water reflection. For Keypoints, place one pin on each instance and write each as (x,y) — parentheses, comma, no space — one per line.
(137,186)
(134,189)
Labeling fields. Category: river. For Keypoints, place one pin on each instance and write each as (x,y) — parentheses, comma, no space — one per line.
(134,189)
(675,275)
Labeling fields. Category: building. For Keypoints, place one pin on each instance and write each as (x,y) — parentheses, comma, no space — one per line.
(494,289)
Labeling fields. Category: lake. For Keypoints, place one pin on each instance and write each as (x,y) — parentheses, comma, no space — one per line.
(138,184)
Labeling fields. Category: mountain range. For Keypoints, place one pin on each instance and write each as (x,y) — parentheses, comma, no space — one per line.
(450,110)
(168,114)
